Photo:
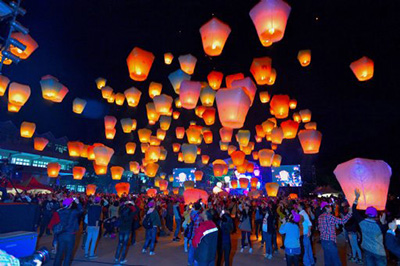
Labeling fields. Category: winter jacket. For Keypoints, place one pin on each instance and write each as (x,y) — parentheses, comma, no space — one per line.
(393,243)
(205,242)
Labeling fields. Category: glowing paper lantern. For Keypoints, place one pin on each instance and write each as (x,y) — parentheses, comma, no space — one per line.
(207,96)
(289,128)
(226,134)
(311,125)
(100,82)
(215,79)
(238,157)
(162,104)
(187,63)
(110,133)
(272,189)
(144,135)
(178,103)
(4,81)
(277,135)
(363,68)
(199,110)
(163,185)
(214,35)
(248,86)
(292,104)
(231,78)
(233,105)
(175,190)
(168,57)
(208,137)
(152,154)
(176,115)
(110,122)
(40,143)
(243,137)
(220,169)
(180,132)
(209,116)
(163,154)
(243,182)
(265,157)
(293,196)
(103,155)
(27,129)
(304,57)
(297,117)
(152,192)
(176,147)
(134,167)
(276,160)
(370,177)
(18,94)
(253,182)
(205,159)
(305,115)
(122,188)
(90,151)
(192,195)
(75,148)
(261,69)
(155,89)
(260,131)
(50,87)
(90,189)
(248,148)
(30,44)
(280,106)
(53,169)
(198,175)
(180,157)
(126,124)
(165,122)
(255,155)
(119,98)
(189,93)
(269,18)
(193,135)
(78,105)
(78,172)
(106,92)
(152,114)
(272,77)
(130,147)
(139,63)
(223,146)
(161,134)
(99,169)
(176,79)
(116,172)
(151,169)
(310,140)
(132,96)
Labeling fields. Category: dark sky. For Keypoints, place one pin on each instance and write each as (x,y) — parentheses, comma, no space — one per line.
(82,40)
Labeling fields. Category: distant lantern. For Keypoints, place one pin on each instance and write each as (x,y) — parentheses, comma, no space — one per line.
(110,133)
(119,98)
(260,131)
(165,122)
(276,160)
(100,82)
(130,147)
(261,69)
(139,63)
(244,182)
(253,182)
(163,103)
(30,44)
(53,169)
(168,57)
(177,102)
(78,105)
(272,77)
(106,92)
(175,190)
(151,169)
(363,68)
(116,172)
(207,96)
(152,192)
(205,159)
(250,167)
(209,116)
(78,172)
(176,115)
(208,137)
(269,18)
(223,146)
(215,79)
(122,188)
(18,94)
(111,98)
(180,157)
(110,122)
(297,117)
(243,137)
(226,134)
(176,147)
(75,148)
(277,135)
(189,152)
(59,97)
(152,115)
(265,157)
(233,105)
(304,57)
(248,86)
(187,63)
(134,167)
(310,140)
(258,139)
(103,155)
(305,115)
(292,104)
(84,152)
(241,169)
(155,89)
(163,185)
(193,135)
(255,155)
(234,183)
(267,126)
(199,110)
(293,196)
(100,169)
(91,189)
(126,124)
(231,78)
(144,135)
(90,151)
(40,143)
(132,96)
(4,81)
(180,132)
(280,106)
(219,169)
(198,175)
(248,148)
(214,35)
(272,189)
(27,129)
(161,134)
(289,128)
(189,93)
(238,157)
(154,141)
(193,195)
(152,154)
(50,87)
(311,125)
(176,79)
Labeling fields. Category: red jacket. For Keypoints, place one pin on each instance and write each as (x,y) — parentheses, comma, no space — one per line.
(204,229)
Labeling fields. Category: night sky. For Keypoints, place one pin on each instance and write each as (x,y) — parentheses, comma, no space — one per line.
(82,40)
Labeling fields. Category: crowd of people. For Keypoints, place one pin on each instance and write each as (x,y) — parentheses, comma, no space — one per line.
(207,225)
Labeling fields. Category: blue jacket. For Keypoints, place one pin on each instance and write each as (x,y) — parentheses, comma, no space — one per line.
(393,243)
(70,219)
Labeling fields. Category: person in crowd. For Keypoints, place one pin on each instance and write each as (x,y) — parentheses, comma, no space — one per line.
(224,243)
(392,241)
(308,258)
(205,241)
(178,220)
(169,216)
(291,231)
(185,224)
(245,226)
(352,230)
(151,222)
(93,228)
(49,206)
(135,224)
(258,220)
(196,218)
(268,228)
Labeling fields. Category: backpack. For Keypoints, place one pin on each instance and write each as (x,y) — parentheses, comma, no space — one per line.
(62,225)
(147,222)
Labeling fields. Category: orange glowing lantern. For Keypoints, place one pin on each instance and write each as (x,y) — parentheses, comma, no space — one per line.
(168,57)
(297,117)
(126,124)
(269,18)
(152,114)
(253,182)
(208,137)
(289,128)
(209,116)
(274,146)
(132,96)
(103,155)
(110,133)
(78,105)
(40,143)
(187,63)
(175,190)
(363,68)
(189,93)
(276,160)
(293,196)
(214,35)
(311,125)
(176,147)
(53,169)
(91,189)
(265,157)
(241,169)
(272,189)
(189,152)
(243,137)
(152,192)
(134,167)
(139,63)
(100,82)
(151,169)
(205,159)
(277,135)
(30,44)
(110,122)
(219,169)
(223,146)
(162,104)
(116,172)
(250,167)
(272,77)
(111,98)
(264,96)
(84,152)
(130,147)
(90,151)
(226,134)
(215,79)
(255,155)
(155,89)
(280,106)
(50,87)
(207,96)
(107,92)
(176,79)
(99,169)
(78,172)
(163,185)
(27,129)
(193,135)
(198,175)
(165,122)
(180,157)
(75,148)
(176,115)
(119,98)
(231,78)
(192,195)
(248,148)
(292,104)
(199,110)
(243,182)
(305,115)
(258,139)
(144,135)
(152,154)
(233,105)
(310,140)
(161,134)
(261,69)
(180,132)
(4,81)
(122,188)
(18,94)
(238,157)
(248,86)
(260,131)
(304,57)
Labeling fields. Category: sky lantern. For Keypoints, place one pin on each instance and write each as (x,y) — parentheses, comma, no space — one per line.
(78,172)
(269,18)
(180,157)
(126,124)
(53,169)
(110,133)
(187,63)
(106,92)
(253,182)
(18,94)
(152,114)
(91,189)
(305,115)
(59,97)
(231,78)
(111,98)
(27,129)
(205,159)
(75,148)
(180,132)
(289,128)
(40,143)
(280,106)
(163,154)
(176,115)
(189,93)
(310,140)
(189,152)
(154,141)
(261,69)
(25,39)
(168,57)
(250,167)
(151,169)
(243,137)
(276,160)
(99,169)
(119,98)
(272,189)
(193,195)
(103,155)
(50,87)
(243,182)
(311,125)
(304,57)
(207,96)
(151,192)
(234,183)
(154,89)
(247,149)
(132,96)
(134,167)
(297,117)
(78,105)
(139,64)
(4,81)
(241,168)
(292,104)
(363,68)
(370,177)
(214,35)
(233,105)
(277,135)
(116,172)
(110,122)
(153,153)
(193,135)
(198,175)
(248,86)
(219,169)
(260,131)
(176,147)
(100,82)
(176,79)
(231,149)
(144,147)
(165,122)
(258,139)
(177,102)
(223,146)
(238,157)
(209,116)
(84,152)
(130,147)
(144,135)
(90,151)
(162,103)
(208,137)
(163,185)
(255,155)
(214,79)
(122,188)
(265,157)
(272,77)
(226,134)
(161,134)
(199,110)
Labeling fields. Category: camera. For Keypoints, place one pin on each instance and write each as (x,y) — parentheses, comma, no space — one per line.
(41,255)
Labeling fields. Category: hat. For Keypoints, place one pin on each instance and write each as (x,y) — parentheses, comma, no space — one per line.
(371,212)
(323,204)
(296,217)
(67,202)
(151,204)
